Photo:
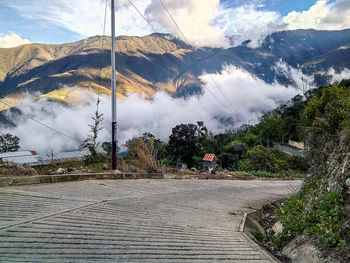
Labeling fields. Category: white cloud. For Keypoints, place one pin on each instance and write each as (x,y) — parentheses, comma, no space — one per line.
(207,23)
(338,76)
(86,17)
(12,40)
(323,15)
(204,23)
(250,23)
(250,96)
(196,19)
(300,81)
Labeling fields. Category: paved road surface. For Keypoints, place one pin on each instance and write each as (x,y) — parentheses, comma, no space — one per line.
(133,220)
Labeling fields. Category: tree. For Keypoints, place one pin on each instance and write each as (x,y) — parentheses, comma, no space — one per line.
(270,128)
(260,158)
(9,143)
(91,142)
(184,141)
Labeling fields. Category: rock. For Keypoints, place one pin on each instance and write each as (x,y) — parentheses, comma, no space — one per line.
(71,169)
(277,227)
(302,250)
(105,167)
(169,176)
(267,215)
(60,171)
(347,184)
(117,172)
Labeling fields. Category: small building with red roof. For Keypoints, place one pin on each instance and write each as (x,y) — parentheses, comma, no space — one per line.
(210,160)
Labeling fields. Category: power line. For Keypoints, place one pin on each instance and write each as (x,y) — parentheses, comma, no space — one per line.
(103,40)
(216,84)
(187,43)
(167,10)
(148,22)
(42,124)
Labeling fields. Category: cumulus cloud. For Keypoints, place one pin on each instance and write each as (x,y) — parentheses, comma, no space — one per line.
(204,23)
(12,40)
(209,22)
(250,96)
(196,20)
(338,76)
(250,23)
(324,15)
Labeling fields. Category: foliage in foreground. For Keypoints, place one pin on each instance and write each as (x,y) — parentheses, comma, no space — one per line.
(316,212)
(319,210)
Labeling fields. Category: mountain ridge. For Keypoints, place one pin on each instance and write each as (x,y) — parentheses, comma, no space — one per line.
(162,62)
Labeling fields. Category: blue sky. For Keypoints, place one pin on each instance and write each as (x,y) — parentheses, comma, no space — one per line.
(59,21)
(283,7)
(35,29)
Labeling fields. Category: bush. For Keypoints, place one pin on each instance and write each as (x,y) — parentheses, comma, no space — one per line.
(315,213)
(259,158)
(94,158)
(229,160)
(143,155)
(245,165)
(298,163)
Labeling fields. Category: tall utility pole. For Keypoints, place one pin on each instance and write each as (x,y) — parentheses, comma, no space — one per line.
(114,98)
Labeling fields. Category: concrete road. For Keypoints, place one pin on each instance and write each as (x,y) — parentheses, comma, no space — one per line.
(133,220)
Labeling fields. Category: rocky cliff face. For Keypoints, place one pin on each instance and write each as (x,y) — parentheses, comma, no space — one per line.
(338,175)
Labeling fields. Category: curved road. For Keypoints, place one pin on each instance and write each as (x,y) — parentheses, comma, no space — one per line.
(133,220)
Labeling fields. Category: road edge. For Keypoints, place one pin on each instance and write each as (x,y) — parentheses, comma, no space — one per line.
(40,179)
(242,229)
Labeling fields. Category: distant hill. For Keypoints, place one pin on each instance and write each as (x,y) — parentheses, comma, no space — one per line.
(162,62)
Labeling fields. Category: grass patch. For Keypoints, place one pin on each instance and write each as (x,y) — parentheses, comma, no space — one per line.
(274,175)
(266,174)
(258,235)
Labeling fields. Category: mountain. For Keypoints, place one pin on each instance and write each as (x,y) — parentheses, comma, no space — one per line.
(161,62)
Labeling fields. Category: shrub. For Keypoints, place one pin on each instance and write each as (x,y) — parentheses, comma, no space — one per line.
(298,163)
(94,158)
(245,165)
(143,154)
(260,158)
(313,212)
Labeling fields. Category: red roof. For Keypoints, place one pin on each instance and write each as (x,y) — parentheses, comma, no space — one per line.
(209,157)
